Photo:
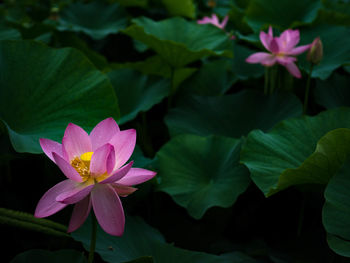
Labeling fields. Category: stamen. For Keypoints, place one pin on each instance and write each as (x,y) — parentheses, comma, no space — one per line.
(81,167)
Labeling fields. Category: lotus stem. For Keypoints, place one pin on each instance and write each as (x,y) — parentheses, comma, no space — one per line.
(266,85)
(93,239)
(307,90)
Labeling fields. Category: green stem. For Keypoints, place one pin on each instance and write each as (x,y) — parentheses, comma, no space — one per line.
(288,81)
(273,79)
(266,85)
(172,87)
(93,239)
(307,90)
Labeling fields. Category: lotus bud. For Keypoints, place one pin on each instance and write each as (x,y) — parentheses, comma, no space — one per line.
(315,53)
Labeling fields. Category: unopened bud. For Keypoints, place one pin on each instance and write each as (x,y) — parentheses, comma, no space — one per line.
(315,53)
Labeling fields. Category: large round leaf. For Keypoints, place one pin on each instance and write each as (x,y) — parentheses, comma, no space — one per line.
(334,57)
(295,151)
(184,8)
(7,33)
(137,92)
(231,115)
(334,92)
(178,41)
(241,68)
(95,19)
(212,79)
(336,11)
(336,211)
(281,13)
(44,89)
(201,172)
(44,256)
(140,239)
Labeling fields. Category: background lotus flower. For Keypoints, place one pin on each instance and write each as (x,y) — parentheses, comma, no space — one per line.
(96,175)
(214,20)
(282,50)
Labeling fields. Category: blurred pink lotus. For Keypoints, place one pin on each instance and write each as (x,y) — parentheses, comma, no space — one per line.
(96,175)
(214,20)
(282,50)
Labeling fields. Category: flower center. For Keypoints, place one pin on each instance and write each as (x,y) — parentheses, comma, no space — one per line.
(82,166)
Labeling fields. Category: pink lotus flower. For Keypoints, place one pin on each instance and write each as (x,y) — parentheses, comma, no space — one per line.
(282,50)
(96,175)
(214,20)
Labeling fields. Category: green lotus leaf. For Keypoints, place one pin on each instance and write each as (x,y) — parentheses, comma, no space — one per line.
(261,13)
(133,245)
(336,211)
(8,33)
(242,69)
(184,8)
(338,245)
(231,115)
(201,172)
(137,92)
(154,65)
(178,41)
(95,19)
(70,39)
(332,37)
(333,92)
(133,3)
(44,256)
(54,87)
(212,79)
(336,11)
(298,151)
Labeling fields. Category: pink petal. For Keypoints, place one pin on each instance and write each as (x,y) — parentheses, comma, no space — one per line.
(111,161)
(289,39)
(293,69)
(66,168)
(75,142)
(72,196)
(136,176)
(215,20)
(120,173)
(47,204)
(274,46)
(205,20)
(124,144)
(98,164)
(298,50)
(224,22)
(270,32)
(264,58)
(284,60)
(103,132)
(123,190)
(50,146)
(265,40)
(108,209)
(80,213)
